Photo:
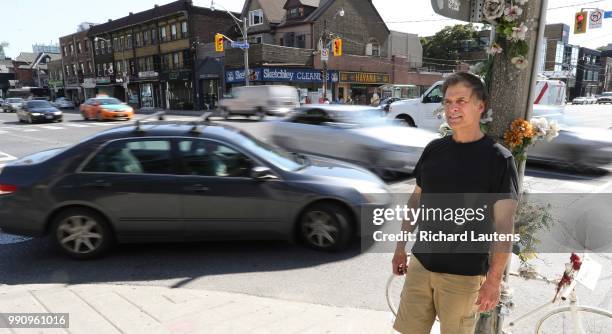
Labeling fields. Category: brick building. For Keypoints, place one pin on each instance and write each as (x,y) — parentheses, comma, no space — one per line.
(77,65)
(149,58)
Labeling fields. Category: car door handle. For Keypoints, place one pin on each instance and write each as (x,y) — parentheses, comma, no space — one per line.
(99,184)
(197,188)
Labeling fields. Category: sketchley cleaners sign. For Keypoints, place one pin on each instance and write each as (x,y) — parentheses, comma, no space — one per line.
(279,74)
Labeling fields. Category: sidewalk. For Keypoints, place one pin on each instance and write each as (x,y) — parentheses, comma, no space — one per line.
(105,308)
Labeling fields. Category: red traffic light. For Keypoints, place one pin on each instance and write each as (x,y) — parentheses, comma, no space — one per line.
(580,18)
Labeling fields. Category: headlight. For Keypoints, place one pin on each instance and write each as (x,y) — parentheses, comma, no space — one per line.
(35,114)
(57,113)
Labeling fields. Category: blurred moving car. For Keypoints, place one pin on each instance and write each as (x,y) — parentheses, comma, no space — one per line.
(606,97)
(182,182)
(38,111)
(385,103)
(63,103)
(575,147)
(105,108)
(423,112)
(12,104)
(352,133)
(276,100)
(584,100)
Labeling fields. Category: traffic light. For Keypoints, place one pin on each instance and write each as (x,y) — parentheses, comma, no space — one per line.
(580,26)
(219,42)
(337,47)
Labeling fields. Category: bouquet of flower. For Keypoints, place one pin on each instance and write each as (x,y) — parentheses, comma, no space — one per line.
(505,16)
(523,133)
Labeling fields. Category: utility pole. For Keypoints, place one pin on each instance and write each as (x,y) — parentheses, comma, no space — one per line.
(244,30)
(324,46)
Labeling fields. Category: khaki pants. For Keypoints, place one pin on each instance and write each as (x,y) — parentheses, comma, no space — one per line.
(427,294)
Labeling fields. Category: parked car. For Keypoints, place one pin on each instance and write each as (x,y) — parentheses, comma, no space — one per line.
(356,134)
(105,108)
(38,111)
(182,182)
(385,103)
(63,103)
(422,112)
(277,100)
(584,100)
(12,104)
(606,97)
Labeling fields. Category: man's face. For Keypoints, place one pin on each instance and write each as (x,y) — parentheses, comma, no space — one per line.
(461,108)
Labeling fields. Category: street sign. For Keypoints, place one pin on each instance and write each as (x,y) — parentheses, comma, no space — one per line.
(240,45)
(325,54)
(595,18)
(608,15)
(458,9)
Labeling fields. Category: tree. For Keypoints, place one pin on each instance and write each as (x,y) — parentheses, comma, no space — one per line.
(446,43)
(602,48)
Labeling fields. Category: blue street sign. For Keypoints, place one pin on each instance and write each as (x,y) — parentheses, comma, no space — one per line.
(240,45)
(608,15)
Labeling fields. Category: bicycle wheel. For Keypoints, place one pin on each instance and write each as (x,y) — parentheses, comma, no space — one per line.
(395,284)
(587,320)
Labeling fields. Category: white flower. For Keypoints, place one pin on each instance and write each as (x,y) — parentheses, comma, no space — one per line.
(488,117)
(540,126)
(553,131)
(520,62)
(493,9)
(518,33)
(494,49)
(512,13)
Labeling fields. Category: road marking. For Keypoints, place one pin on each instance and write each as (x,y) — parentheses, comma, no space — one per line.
(30,130)
(1,132)
(6,156)
(50,127)
(103,124)
(77,125)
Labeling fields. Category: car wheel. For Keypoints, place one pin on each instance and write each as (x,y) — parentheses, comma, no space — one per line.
(82,233)
(326,226)
(406,120)
(84,114)
(261,114)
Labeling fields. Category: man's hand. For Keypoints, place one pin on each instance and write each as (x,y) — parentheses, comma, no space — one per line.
(399,262)
(488,296)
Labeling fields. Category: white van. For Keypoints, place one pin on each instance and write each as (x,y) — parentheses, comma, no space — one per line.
(260,101)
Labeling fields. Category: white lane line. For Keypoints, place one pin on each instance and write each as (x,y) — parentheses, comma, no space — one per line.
(6,156)
(77,125)
(30,130)
(103,124)
(1,132)
(50,127)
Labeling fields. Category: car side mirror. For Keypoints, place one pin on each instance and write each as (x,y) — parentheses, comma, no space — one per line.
(261,173)
(425,99)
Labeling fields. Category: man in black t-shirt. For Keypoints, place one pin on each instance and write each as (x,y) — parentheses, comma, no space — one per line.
(457,285)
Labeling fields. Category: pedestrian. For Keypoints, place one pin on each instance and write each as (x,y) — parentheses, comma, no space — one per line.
(457,286)
(375,100)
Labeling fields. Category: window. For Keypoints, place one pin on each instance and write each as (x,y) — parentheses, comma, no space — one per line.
(145,38)
(71,49)
(74,69)
(184,29)
(67,68)
(301,41)
(66,51)
(82,68)
(133,157)
(89,68)
(116,43)
(175,60)
(173,31)
(138,39)
(255,17)
(293,12)
(153,36)
(79,49)
(373,48)
(210,158)
(141,64)
(129,41)
(99,69)
(86,45)
(122,42)
(162,33)
(118,67)
(435,96)
(255,39)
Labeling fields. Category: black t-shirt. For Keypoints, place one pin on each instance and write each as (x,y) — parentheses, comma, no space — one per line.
(479,167)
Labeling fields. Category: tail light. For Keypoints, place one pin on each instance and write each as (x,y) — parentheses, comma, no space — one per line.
(7,189)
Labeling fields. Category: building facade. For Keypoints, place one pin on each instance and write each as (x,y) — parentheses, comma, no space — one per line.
(149,58)
(587,74)
(78,66)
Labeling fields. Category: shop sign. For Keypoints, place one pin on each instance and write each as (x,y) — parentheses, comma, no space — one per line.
(176,75)
(364,77)
(103,80)
(280,74)
(148,74)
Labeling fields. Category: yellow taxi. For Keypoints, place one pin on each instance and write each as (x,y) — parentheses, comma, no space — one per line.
(106,108)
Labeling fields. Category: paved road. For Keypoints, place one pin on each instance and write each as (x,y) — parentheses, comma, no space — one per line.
(271,269)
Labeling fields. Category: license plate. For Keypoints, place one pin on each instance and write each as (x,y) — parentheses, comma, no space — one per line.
(49,117)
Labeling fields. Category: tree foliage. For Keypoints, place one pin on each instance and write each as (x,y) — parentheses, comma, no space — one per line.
(446,43)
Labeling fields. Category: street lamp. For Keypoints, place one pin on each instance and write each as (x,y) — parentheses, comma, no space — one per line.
(123,74)
(243,30)
(324,44)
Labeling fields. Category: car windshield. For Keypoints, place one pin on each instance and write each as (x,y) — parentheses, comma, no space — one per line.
(109,101)
(606,94)
(273,154)
(38,104)
(14,100)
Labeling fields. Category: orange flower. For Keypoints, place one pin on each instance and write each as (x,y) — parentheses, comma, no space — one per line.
(520,130)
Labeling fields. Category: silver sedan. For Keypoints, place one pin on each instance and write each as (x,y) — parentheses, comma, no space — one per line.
(352,133)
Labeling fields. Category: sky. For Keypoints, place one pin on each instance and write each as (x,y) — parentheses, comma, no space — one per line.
(27,22)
